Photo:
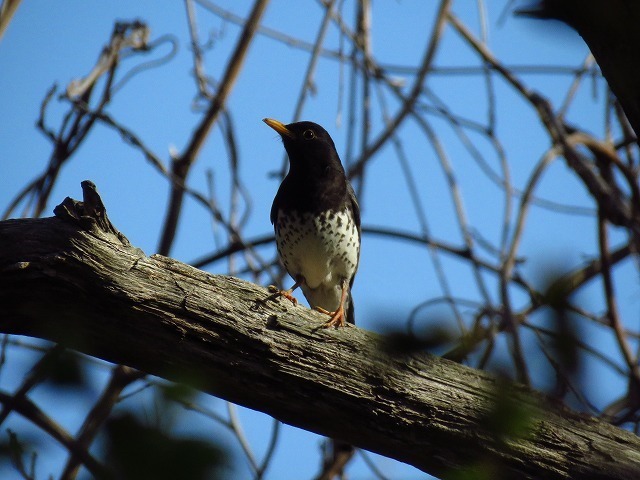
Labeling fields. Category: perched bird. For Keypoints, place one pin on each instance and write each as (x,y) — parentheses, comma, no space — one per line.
(316,219)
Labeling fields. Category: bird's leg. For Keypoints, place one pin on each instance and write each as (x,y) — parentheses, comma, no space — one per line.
(339,316)
(286,293)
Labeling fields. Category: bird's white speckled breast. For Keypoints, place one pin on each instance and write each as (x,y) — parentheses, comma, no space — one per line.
(323,249)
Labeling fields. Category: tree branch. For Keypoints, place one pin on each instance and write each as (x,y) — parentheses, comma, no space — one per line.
(180,166)
(76,280)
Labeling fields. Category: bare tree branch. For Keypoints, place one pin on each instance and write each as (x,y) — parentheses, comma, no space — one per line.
(7,9)
(121,376)
(35,415)
(181,165)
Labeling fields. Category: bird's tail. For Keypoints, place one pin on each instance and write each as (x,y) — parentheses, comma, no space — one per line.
(351,316)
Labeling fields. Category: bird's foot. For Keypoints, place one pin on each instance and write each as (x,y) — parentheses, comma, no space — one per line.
(337,320)
(276,292)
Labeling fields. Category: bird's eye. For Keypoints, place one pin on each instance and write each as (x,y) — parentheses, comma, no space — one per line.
(308,134)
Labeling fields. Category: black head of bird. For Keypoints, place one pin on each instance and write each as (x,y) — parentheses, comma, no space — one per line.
(310,148)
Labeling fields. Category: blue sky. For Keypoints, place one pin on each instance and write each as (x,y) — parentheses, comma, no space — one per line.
(46,45)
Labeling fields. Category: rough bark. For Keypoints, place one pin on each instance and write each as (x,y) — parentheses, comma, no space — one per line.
(75,279)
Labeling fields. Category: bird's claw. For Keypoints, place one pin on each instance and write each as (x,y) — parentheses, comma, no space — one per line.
(337,319)
(276,292)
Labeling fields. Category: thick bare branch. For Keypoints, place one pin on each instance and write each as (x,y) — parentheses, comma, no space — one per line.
(69,280)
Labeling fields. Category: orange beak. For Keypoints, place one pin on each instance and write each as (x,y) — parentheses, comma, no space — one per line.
(279,127)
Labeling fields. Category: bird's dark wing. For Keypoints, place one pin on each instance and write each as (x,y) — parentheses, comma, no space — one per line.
(354,205)
(277,202)
(356,218)
(274,210)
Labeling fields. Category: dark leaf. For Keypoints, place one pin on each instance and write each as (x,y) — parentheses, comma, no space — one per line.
(137,451)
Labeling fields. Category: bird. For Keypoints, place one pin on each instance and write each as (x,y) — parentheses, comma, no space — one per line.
(316,219)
